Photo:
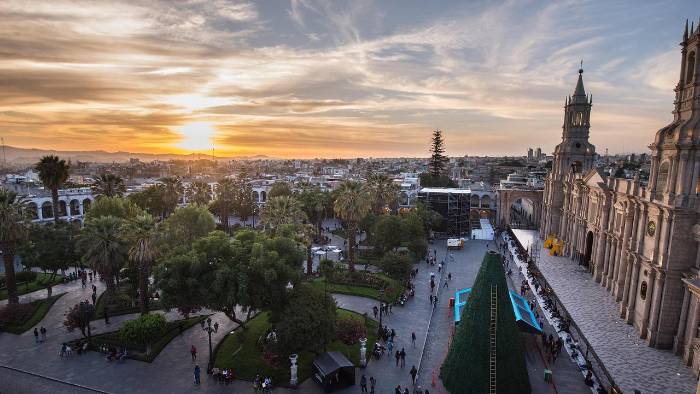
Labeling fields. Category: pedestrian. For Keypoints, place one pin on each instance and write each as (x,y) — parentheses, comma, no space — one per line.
(431,299)
(90,276)
(402,354)
(413,373)
(390,305)
(405,391)
(197,371)
(393,334)
(554,354)
(106,314)
(390,347)
(94,289)
(36,337)
(436,302)
(449,276)
(397,355)
(446,284)
(43,333)
(94,298)
(372,382)
(375,311)
(413,339)
(432,285)
(397,390)
(193,352)
(82,280)
(363,384)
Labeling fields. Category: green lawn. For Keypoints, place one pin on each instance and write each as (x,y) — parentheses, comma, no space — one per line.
(42,308)
(38,284)
(239,351)
(138,352)
(359,290)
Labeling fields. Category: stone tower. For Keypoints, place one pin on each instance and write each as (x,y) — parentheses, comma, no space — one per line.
(574,154)
(675,164)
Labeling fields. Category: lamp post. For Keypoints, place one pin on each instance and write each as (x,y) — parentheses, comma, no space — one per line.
(209,330)
(381,308)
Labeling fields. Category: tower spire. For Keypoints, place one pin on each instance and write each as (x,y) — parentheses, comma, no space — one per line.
(685,33)
(579,92)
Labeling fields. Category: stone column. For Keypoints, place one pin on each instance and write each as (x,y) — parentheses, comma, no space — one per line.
(647,304)
(613,264)
(606,263)
(632,297)
(656,308)
(39,212)
(622,271)
(693,319)
(679,341)
(602,244)
(627,283)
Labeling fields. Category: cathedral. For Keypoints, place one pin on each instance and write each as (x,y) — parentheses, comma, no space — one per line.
(639,240)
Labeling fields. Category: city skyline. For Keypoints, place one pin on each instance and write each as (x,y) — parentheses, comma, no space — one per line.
(309,79)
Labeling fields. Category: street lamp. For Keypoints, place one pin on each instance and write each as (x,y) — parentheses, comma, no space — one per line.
(209,329)
(381,308)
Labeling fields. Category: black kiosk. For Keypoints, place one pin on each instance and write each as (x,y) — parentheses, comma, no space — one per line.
(333,371)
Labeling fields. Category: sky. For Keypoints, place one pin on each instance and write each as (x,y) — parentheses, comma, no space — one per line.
(332,78)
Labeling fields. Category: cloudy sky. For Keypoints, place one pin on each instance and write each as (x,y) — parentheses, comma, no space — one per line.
(326,78)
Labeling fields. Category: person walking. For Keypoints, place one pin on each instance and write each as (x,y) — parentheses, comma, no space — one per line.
(193,353)
(372,382)
(413,339)
(94,298)
(390,347)
(393,334)
(413,373)
(397,355)
(43,333)
(405,391)
(402,354)
(397,390)
(363,384)
(375,311)
(36,339)
(106,314)
(94,289)
(197,372)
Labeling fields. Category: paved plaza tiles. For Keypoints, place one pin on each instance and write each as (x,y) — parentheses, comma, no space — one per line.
(632,363)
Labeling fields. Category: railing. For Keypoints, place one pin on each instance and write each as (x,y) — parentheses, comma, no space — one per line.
(595,364)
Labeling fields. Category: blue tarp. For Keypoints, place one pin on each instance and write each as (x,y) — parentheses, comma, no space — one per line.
(524,317)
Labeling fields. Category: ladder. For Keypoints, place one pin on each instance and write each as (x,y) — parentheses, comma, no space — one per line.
(492,338)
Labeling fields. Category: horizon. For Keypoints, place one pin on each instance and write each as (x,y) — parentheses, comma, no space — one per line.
(316,79)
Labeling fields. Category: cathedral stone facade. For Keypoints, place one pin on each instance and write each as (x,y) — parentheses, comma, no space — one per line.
(640,241)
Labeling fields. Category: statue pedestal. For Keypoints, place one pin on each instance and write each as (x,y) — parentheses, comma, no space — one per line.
(293,369)
(363,352)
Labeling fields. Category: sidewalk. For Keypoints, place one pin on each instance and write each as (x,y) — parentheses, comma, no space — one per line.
(627,357)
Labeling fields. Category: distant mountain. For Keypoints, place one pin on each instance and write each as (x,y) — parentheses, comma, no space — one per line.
(15,155)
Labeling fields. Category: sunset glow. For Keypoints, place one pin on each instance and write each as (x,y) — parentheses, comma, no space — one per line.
(308,78)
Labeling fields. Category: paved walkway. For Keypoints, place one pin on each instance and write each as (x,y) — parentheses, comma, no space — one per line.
(632,363)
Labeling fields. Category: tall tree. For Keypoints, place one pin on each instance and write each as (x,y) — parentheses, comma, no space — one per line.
(438,161)
(50,247)
(278,189)
(103,248)
(113,206)
(109,185)
(224,203)
(312,203)
(245,204)
(53,173)
(186,225)
(14,220)
(172,192)
(151,200)
(351,205)
(198,192)
(279,211)
(142,235)
(384,192)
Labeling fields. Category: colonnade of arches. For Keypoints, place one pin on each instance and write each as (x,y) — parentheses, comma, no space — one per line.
(73,208)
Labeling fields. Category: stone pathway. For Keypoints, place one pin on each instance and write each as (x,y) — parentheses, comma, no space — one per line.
(632,363)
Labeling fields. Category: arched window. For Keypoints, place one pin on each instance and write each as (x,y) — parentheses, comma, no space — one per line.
(662,177)
(47,210)
(256,196)
(485,202)
(579,119)
(690,68)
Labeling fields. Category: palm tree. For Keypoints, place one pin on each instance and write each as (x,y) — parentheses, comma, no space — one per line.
(103,248)
(384,191)
(142,235)
(198,192)
(109,185)
(279,211)
(225,199)
(312,204)
(53,173)
(14,221)
(351,205)
(172,192)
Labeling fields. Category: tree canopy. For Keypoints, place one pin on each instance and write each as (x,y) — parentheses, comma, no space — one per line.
(308,322)
(187,224)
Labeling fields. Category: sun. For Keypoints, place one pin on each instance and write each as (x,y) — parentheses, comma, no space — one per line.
(197,136)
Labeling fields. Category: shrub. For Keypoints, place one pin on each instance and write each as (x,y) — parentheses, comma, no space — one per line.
(16,314)
(79,316)
(350,330)
(25,276)
(327,268)
(144,330)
